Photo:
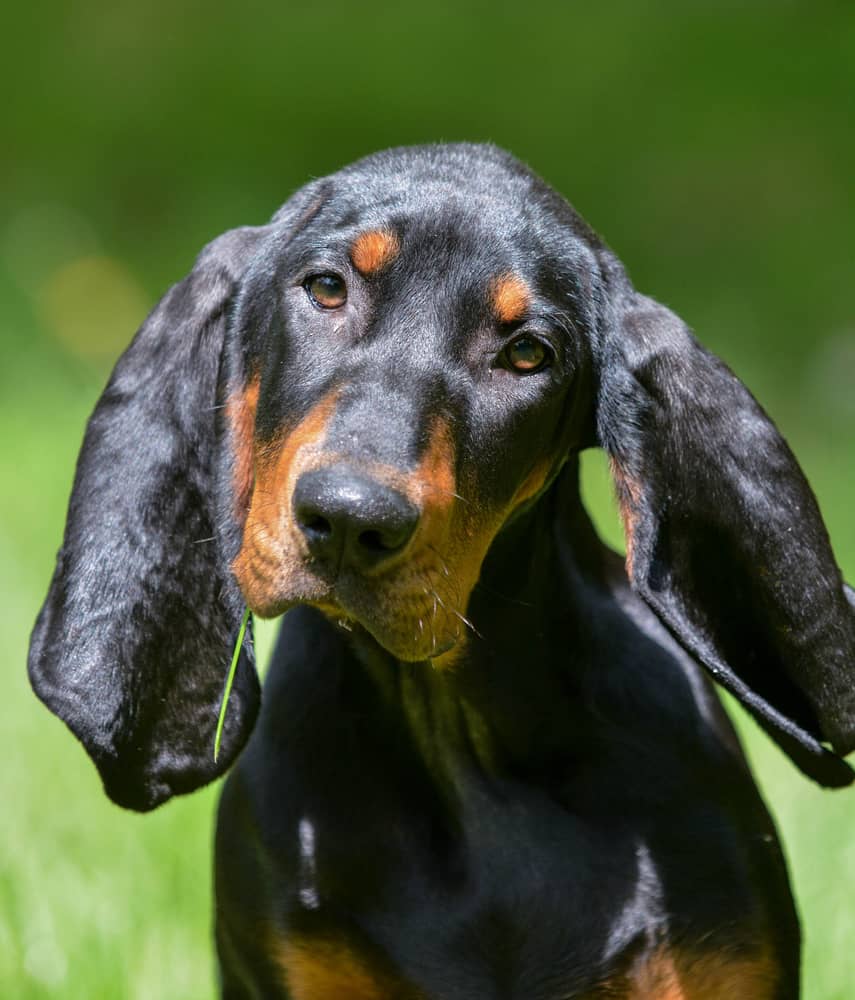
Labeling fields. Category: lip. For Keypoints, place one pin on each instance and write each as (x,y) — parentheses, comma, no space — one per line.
(407,636)
(351,600)
(406,609)
(348,624)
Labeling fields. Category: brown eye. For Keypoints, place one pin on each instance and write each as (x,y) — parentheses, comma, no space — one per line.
(526,355)
(327,291)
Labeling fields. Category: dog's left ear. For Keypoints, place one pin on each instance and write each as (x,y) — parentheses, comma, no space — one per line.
(724,538)
(133,643)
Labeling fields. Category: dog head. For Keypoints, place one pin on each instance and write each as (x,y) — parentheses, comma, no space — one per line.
(405,372)
(344,407)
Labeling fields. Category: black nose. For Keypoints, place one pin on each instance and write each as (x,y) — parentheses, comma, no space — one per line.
(351,520)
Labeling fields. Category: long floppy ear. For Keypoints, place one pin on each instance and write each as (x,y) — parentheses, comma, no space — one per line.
(134,640)
(724,538)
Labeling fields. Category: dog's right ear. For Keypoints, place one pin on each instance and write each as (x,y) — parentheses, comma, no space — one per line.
(134,639)
(725,541)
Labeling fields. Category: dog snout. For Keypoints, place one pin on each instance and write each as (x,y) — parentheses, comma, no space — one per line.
(350,520)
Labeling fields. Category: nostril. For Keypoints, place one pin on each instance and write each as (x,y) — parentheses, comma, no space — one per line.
(382,541)
(315,523)
(349,519)
(372,540)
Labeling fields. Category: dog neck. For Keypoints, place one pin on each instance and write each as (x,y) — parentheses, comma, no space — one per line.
(507,705)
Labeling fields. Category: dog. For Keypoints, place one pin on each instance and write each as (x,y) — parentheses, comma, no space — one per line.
(489,761)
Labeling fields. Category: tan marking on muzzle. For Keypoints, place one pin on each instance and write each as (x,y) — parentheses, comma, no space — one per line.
(426,596)
(271,557)
(374,250)
(532,484)
(240,414)
(510,297)
(472,534)
(432,487)
(415,601)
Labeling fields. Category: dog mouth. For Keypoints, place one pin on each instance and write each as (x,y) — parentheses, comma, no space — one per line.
(413,624)
(412,599)
(376,548)
(412,615)
(407,645)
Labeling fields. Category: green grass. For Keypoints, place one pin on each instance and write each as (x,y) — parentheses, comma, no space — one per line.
(224,705)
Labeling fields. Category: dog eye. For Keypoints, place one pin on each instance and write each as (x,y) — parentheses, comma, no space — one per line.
(327,291)
(527,355)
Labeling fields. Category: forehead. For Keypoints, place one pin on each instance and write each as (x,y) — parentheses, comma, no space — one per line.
(459,206)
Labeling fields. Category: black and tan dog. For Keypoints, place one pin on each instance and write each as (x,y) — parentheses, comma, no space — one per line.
(488,763)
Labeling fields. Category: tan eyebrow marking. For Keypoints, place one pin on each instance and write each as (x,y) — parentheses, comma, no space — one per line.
(511,297)
(372,251)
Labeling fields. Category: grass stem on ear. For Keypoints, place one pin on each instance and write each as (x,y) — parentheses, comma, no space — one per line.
(229,682)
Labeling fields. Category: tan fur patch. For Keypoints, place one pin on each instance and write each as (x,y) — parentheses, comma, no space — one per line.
(434,483)
(240,414)
(511,298)
(266,565)
(428,592)
(374,250)
(415,601)
(711,976)
(326,971)
(322,970)
(658,979)
(532,484)
(675,975)
(629,496)
(473,532)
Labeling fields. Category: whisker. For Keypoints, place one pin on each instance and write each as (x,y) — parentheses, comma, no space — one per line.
(439,556)
(505,597)
(456,614)
(467,623)
(448,493)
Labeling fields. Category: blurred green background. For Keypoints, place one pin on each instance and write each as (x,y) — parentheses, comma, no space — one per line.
(712,144)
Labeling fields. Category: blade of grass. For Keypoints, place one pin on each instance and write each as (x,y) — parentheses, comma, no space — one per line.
(229,682)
